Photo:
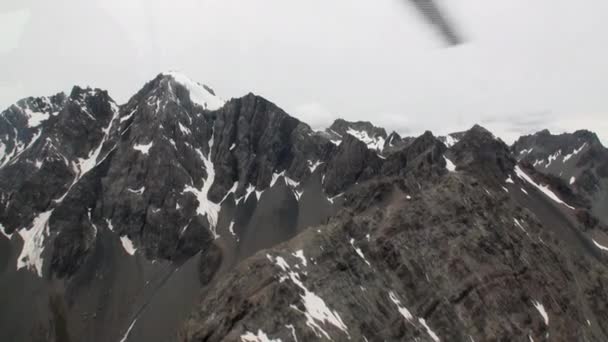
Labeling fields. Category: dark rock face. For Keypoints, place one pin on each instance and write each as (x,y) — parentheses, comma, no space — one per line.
(578,158)
(351,163)
(394,143)
(479,152)
(181,216)
(424,155)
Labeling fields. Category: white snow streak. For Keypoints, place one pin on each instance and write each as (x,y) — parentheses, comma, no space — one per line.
(315,309)
(138,191)
(449,165)
(3,231)
(408,315)
(402,310)
(331,199)
(127,244)
(543,188)
(231,230)
(300,255)
(542,311)
(429,330)
(373,143)
(205,206)
(259,337)
(359,252)
(84,165)
(313,166)
(144,149)
(33,243)
(34,119)
(293,331)
(520,226)
(553,157)
(575,152)
(602,247)
(450,141)
(124,338)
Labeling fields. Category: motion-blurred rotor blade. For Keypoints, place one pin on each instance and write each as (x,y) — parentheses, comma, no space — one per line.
(431,12)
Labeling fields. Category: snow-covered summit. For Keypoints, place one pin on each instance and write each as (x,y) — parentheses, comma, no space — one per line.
(199,93)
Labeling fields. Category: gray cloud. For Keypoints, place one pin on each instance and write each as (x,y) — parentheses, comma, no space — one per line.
(358,59)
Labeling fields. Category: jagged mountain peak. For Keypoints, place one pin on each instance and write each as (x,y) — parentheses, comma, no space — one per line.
(200,94)
(374,137)
(116,219)
(481,153)
(578,159)
(477,130)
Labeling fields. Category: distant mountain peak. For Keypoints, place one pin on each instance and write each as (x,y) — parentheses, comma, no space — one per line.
(374,137)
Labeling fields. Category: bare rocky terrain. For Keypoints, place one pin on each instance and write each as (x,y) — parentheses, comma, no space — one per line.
(180,216)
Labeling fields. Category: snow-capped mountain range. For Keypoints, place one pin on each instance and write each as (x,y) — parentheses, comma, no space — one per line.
(181,216)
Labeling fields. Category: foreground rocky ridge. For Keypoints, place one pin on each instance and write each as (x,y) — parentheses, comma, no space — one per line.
(179,215)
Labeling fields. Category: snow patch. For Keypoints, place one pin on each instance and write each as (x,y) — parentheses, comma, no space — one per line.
(429,330)
(126,335)
(110,226)
(316,310)
(524,151)
(231,230)
(313,166)
(359,252)
(205,206)
(542,311)
(552,158)
(138,191)
(34,119)
(402,310)
(199,94)
(184,129)
(259,337)
(33,243)
(575,152)
(373,143)
(144,149)
(572,180)
(300,255)
(449,165)
(127,244)
(288,181)
(128,116)
(331,199)
(293,331)
(520,226)
(3,231)
(450,141)
(598,245)
(543,188)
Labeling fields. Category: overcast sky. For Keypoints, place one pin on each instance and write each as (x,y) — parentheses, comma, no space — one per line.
(526,65)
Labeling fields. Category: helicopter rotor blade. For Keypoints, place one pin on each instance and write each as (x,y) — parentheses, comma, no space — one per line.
(436,17)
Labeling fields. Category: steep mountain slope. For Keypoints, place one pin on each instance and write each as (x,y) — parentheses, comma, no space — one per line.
(179,215)
(423,254)
(578,159)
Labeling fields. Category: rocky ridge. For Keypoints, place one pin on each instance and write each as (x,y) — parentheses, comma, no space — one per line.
(181,216)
